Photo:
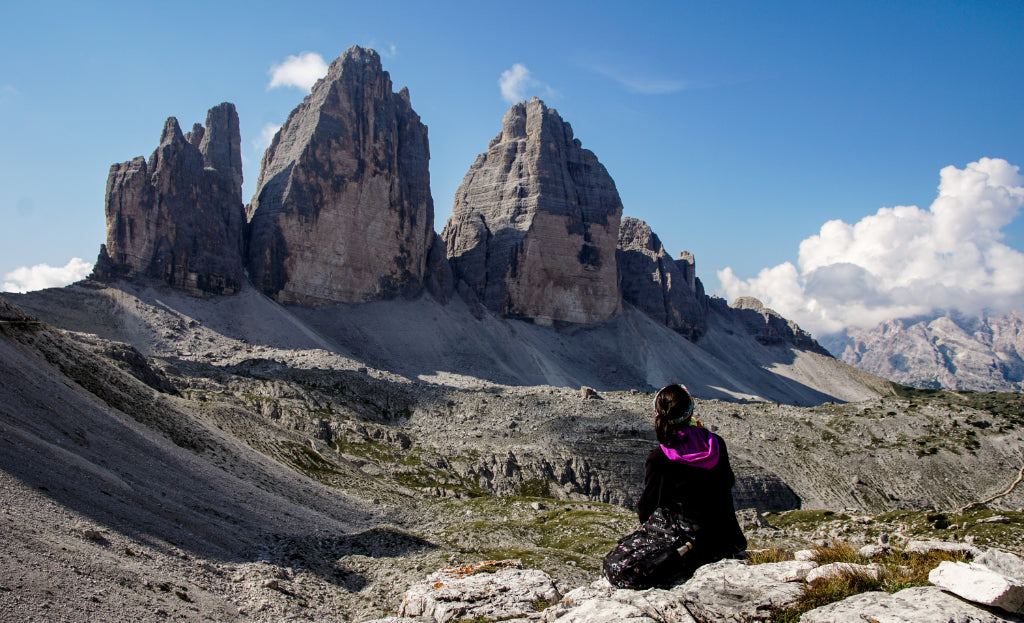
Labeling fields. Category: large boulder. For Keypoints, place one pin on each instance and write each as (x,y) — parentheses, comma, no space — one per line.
(342,210)
(920,604)
(665,289)
(179,217)
(535,224)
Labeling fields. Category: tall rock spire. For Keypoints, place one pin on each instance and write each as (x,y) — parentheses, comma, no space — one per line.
(535,224)
(179,217)
(342,210)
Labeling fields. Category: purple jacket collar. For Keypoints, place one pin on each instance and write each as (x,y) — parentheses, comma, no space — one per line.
(694,446)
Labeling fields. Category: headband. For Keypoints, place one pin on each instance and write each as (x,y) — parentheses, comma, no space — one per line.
(689,409)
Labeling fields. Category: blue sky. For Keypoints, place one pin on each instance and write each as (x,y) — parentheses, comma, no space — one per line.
(736,130)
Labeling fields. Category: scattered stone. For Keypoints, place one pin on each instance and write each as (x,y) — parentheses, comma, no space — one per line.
(492,589)
(804,554)
(837,569)
(752,519)
(979,584)
(926,547)
(873,551)
(588,393)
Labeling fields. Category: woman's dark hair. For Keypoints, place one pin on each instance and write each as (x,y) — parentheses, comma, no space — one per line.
(673,405)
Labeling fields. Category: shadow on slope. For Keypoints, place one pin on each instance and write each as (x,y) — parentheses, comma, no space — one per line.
(460,344)
(104,445)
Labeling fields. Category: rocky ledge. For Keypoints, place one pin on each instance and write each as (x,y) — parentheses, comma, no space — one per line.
(988,590)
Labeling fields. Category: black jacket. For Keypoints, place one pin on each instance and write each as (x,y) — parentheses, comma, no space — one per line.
(703,495)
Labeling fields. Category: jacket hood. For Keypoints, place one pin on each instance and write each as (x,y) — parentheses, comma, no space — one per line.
(694,446)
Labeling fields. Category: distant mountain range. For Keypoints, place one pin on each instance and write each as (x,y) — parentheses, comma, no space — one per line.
(946,350)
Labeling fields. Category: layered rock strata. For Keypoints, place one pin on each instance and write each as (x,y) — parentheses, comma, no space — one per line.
(766,325)
(178,217)
(667,290)
(535,224)
(342,210)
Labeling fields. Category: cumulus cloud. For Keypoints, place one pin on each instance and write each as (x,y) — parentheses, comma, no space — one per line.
(904,261)
(517,82)
(300,71)
(26,279)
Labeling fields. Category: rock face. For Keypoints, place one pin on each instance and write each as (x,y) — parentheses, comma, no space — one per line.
(766,325)
(535,224)
(342,211)
(949,351)
(665,289)
(179,217)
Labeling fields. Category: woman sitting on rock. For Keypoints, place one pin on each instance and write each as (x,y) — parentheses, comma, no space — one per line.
(689,472)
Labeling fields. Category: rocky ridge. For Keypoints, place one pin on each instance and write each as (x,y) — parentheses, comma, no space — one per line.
(989,590)
(343,214)
(951,351)
(667,290)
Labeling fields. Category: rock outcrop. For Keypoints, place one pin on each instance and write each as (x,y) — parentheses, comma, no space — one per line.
(766,325)
(949,351)
(535,224)
(665,289)
(179,217)
(342,210)
(728,590)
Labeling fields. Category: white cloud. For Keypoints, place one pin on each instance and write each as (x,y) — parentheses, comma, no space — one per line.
(266,136)
(517,82)
(905,261)
(26,279)
(300,71)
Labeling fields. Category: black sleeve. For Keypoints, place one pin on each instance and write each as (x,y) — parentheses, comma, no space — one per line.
(723,460)
(648,502)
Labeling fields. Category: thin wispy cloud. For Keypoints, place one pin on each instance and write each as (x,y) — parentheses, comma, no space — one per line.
(41,276)
(640,83)
(905,261)
(517,83)
(300,71)
(636,81)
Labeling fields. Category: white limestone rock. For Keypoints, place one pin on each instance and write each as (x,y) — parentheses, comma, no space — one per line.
(926,547)
(1002,562)
(979,584)
(837,569)
(731,590)
(494,590)
(921,604)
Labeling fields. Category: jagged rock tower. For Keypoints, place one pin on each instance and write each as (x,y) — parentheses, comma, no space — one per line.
(535,224)
(342,210)
(179,217)
(667,290)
